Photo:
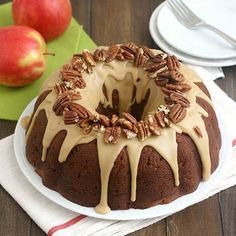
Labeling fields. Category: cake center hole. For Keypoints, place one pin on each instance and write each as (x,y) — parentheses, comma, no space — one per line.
(134,108)
(130,92)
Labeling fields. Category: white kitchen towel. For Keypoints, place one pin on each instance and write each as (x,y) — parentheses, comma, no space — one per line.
(57,221)
(211,73)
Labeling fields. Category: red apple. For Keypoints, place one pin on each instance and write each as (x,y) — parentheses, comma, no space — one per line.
(21,52)
(50,17)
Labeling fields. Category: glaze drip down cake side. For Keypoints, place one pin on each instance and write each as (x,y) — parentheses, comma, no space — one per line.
(123,127)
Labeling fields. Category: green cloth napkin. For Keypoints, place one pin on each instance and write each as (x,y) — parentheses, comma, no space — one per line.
(14,100)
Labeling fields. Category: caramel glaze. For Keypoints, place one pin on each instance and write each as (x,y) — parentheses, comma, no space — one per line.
(25,122)
(123,77)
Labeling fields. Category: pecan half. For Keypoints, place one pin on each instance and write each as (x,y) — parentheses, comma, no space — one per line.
(88,57)
(66,67)
(148,52)
(112,53)
(126,124)
(82,112)
(134,128)
(72,94)
(183,87)
(164,73)
(61,103)
(70,74)
(153,125)
(168,91)
(129,134)
(176,76)
(60,88)
(158,58)
(70,117)
(161,81)
(129,117)
(104,120)
(159,116)
(140,58)
(79,83)
(114,119)
(130,48)
(172,62)
(198,131)
(127,53)
(100,55)
(143,130)
(78,63)
(151,68)
(112,134)
(180,99)
(177,113)
(120,56)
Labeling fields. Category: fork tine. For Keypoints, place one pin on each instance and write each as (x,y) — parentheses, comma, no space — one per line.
(186,9)
(187,17)
(177,10)
(174,11)
(188,14)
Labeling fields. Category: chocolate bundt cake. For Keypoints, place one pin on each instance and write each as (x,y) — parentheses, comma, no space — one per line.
(123,127)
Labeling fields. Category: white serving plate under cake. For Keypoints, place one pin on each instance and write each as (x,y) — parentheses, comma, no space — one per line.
(130,214)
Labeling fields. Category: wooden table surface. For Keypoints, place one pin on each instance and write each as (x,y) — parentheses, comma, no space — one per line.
(113,21)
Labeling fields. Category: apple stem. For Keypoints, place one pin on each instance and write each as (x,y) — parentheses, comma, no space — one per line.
(49,53)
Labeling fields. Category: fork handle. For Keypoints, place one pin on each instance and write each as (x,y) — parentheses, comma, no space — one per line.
(229,39)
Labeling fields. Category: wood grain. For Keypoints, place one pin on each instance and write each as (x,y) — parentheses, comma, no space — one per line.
(228,211)
(196,219)
(109,22)
(13,220)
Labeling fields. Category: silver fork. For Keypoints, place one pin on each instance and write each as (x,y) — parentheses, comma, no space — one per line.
(189,19)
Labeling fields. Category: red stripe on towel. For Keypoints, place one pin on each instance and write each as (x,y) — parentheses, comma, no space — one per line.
(65,225)
(234,142)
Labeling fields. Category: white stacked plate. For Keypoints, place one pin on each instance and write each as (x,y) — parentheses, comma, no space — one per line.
(201,46)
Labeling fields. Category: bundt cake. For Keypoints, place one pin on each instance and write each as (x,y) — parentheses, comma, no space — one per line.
(123,127)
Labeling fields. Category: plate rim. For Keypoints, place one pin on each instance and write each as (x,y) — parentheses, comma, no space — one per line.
(232,54)
(182,56)
(130,214)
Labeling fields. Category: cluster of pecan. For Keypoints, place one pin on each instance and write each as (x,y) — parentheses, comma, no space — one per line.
(132,128)
(68,89)
(71,75)
(172,82)
(163,70)
(130,51)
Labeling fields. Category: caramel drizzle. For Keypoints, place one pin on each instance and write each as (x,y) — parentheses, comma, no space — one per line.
(117,76)
(164,70)
(25,122)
